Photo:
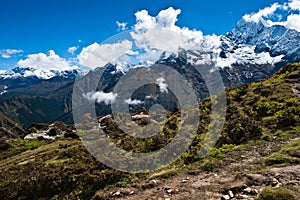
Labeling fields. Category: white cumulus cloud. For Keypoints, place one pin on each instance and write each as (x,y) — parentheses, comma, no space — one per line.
(121,26)
(266,12)
(294,4)
(98,55)
(72,49)
(292,22)
(49,61)
(161,31)
(133,102)
(163,87)
(292,19)
(100,96)
(7,53)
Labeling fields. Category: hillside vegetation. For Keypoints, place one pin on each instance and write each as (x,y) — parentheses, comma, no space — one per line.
(259,148)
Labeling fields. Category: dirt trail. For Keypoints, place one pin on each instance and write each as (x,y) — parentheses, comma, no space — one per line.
(235,175)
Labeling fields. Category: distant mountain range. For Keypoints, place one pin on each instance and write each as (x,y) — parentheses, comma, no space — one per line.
(252,51)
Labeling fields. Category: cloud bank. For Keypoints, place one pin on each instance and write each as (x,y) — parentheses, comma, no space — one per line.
(7,53)
(163,87)
(151,34)
(98,55)
(133,102)
(294,4)
(72,50)
(292,19)
(100,96)
(49,61)
(161,31)
(121,25)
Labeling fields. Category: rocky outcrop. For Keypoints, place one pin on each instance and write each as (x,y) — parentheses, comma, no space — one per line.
(51,131)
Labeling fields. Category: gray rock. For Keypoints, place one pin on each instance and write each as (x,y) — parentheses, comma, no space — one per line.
(274,182)
(117,194)
(254,191)
(152,183)
(257,179)
(36,136)
(230,193)
(225,197)
(172,191)
(242,196)
(237,186)
(247,190)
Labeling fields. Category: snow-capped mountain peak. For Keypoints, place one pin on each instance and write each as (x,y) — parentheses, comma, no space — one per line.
(43,74)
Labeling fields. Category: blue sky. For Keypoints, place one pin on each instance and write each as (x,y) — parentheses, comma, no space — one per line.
(35,26)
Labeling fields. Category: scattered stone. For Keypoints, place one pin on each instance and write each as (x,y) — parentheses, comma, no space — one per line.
(155,182)
(254,191)
(172,191)
(251,191)
(105,120)
(230,193)
(117,194)
(152,183)
(293,183)
(185,180)
(131,193)
(247,190)
(242,196)
(141,119)
(278,185)
(274,182)
(225,197)
(237,186)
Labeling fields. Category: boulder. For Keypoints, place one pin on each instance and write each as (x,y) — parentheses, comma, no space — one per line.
(141,119)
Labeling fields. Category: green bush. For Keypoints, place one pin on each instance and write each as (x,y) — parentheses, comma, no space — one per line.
(276,159)
(275,194)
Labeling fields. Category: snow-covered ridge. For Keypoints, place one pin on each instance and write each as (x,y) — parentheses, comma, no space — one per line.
(250,43)
(38,73)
